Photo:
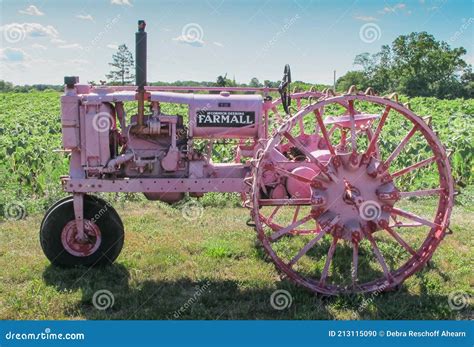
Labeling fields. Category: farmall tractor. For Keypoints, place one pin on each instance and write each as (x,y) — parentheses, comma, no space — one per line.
(327,205)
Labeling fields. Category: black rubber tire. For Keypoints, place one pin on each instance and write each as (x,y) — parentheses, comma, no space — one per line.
(112,234)
(60,201)
(100,201)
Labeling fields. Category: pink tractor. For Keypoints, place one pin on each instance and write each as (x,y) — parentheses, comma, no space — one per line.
(312,174)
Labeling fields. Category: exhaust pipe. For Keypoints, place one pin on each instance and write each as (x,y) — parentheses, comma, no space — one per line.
(140,69)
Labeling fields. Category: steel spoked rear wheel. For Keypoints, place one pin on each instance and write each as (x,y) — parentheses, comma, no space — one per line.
(335,215)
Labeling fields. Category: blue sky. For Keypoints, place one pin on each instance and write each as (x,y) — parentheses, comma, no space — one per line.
(197,40)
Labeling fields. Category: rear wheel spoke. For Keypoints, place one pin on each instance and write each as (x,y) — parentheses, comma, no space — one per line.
(355,262)
(421,192)
(306,248)
(401,241)
(406,225)
(284,202)
(329,257)
(353,128)
(324,131)
(410,168)
(378,130)
(295,215)
(325,230)
(272,215)
(276,235)
(379,256)
(399,148)
(413,217)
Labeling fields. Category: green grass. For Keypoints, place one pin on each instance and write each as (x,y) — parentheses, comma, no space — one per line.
(211,268)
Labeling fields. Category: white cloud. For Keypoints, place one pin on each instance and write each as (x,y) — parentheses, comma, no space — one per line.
(366,18)
(58,41)
(72,46)
(38,46)
(196,42)
(15,32)
(31,10)
(393,9)
(121,2)
(14,55)
(218,44)
(112,46)
(85,17)
(78,61)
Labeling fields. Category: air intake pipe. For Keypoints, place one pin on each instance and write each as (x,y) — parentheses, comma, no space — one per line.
(140,69)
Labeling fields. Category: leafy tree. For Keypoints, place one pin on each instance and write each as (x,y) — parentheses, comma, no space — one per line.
(357,78)
(254,83)
(122,67)
(416,65)
(271,84)
(467,81)
(221,81)
(5,86)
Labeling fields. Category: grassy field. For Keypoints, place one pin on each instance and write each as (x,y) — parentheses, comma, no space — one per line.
(212,268)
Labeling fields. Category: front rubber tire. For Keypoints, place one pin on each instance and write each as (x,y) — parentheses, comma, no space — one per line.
(108,223)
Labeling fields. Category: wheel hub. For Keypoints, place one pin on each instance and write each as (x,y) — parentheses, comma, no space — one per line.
(356,201)
(77,246)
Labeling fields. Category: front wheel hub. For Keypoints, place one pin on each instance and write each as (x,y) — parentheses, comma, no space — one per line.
(355,201)
(81,247)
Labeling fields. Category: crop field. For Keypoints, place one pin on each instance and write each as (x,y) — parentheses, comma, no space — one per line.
(30,131)
(212,267)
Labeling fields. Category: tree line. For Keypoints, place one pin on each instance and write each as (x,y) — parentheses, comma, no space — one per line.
(414,65)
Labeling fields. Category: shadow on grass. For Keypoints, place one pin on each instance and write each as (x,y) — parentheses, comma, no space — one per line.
(210,299)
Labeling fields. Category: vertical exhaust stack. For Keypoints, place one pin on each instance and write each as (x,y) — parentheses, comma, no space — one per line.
(140,69)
